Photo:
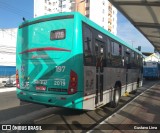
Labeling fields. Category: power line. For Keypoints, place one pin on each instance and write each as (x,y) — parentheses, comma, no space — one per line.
(13,9)
(20,10)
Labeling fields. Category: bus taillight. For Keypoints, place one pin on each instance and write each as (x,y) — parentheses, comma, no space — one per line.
(17,80)
(73,83)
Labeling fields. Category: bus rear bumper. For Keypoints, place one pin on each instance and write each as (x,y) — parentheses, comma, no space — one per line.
(74,101)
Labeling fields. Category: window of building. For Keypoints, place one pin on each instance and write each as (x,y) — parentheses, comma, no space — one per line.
(87,8)
(103,11)
(64,6)
(110,8)
(103,3)
(87,1)
(102,19)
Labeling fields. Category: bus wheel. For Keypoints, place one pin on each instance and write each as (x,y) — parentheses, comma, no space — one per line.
(22,102)
(134,91)
(116,97)
(138,83)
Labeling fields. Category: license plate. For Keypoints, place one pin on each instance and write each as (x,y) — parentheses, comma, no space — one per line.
(41,88)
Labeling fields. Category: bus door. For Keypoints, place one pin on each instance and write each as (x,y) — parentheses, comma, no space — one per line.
(127,60)
(99,55)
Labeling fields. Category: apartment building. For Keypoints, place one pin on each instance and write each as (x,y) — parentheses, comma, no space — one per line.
(8,47)
(7,52)
(101,12)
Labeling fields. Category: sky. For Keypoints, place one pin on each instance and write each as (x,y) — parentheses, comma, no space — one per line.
(127,32)
(12,12)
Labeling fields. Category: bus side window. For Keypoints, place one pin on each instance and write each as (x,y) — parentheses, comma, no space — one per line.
(116,54)
(88,49)
(108,53)
(133,59)
(127,57)
(137,61)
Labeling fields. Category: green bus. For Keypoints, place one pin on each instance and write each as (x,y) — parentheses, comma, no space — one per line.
(66,60)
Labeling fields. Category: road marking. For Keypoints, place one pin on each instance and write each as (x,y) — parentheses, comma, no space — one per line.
(43,118)
(7,89)
(109,117)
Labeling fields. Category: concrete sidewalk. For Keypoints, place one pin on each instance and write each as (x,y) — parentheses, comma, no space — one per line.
(7,89)
(142,115)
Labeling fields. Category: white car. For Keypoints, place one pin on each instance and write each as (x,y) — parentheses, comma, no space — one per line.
(9,82)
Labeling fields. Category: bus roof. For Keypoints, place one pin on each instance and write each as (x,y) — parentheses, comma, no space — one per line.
(66,15)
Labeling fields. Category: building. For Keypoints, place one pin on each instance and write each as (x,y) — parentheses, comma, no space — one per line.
(7,51)
(101,12)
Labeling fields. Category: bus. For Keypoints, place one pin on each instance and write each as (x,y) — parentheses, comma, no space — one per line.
(151,70)
(66,60)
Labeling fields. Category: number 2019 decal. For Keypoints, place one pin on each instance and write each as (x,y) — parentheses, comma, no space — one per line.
(59,82)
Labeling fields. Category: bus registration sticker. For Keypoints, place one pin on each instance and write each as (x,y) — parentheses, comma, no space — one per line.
(41,88)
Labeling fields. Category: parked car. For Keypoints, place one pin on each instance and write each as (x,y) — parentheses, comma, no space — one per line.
(9,82)
(3,82)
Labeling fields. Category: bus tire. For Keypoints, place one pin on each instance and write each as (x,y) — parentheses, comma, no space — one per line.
(134,91)
(22,102)
(138,83)
(116,97)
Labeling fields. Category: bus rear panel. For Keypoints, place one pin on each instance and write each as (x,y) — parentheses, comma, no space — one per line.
(48,71)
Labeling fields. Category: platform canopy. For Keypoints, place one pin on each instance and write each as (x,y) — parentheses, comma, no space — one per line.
(144,15)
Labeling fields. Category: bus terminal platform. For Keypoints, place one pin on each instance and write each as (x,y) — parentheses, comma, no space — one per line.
(142,115)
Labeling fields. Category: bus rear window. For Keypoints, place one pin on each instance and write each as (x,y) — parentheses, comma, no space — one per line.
(58,34)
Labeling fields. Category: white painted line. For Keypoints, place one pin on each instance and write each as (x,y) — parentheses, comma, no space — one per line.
(103,122)
(43,118)
(7,89)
